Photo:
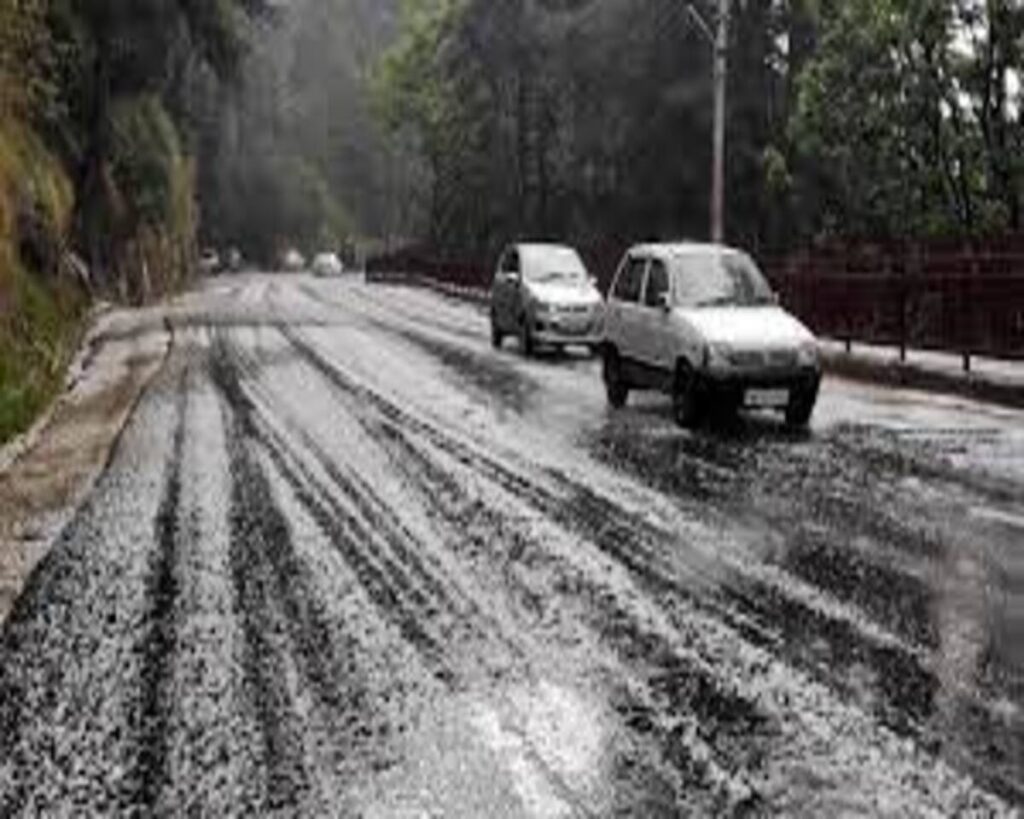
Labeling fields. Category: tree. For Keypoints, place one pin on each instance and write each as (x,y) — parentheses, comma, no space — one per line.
(125,61)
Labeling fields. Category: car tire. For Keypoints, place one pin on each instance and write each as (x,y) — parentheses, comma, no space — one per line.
(725,411)
(799,412)
(496,335)
(526,342)
(614,382)
(685,401)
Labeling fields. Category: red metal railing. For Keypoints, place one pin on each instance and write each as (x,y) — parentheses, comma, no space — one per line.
(949,300)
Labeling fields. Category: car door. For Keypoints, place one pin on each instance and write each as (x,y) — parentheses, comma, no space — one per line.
(629,289)
(655,340)
(506,290)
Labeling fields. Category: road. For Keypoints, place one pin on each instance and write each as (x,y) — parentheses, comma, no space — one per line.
(346,560)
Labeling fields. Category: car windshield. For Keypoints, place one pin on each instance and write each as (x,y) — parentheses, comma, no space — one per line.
(553,265)
(719,279)
(557,277)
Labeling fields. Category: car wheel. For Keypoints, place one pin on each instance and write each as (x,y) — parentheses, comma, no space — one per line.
(725,411)
(614,383)
(685,401)
(799,412)
(526,337)
(496,335)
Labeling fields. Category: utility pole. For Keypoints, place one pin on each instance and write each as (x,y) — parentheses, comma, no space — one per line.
(719,39)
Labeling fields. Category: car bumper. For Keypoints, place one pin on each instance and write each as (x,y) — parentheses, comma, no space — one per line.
(802,384)
(552,331)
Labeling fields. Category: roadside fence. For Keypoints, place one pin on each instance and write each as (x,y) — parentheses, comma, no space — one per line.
(963,303)
(967,303)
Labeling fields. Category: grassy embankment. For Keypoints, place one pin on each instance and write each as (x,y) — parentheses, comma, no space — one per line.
(40,316)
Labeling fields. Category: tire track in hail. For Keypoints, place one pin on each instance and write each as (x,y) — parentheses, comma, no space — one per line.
(376,512)
(697,723)
(150,719)
(277,605)
(393,594)
(826,500)
(623,535)
(631,541)
(437,597)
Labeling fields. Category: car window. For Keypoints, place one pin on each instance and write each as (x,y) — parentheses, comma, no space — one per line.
(552,264)
(719,278)
(657,283)
(510,263)
(631,280)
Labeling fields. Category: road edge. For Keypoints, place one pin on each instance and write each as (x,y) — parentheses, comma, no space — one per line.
(907,375)
(35,505)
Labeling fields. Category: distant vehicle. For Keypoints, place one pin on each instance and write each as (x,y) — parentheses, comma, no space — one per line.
(543,294)
(209,262)
(701,323)
(327,264)
(234,260)
(292,261)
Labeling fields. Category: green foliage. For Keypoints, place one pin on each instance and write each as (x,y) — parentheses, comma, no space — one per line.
(91,158)
(146,158)
(895,131)
(591,120)
(38,314)
(39,328)
(25,51)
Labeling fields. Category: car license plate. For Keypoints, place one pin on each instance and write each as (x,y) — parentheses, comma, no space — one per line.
(574,327)
(767,398)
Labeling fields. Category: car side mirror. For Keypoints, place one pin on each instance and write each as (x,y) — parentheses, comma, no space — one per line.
(665,301)
(514,277)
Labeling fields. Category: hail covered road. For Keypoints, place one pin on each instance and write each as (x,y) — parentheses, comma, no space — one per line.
(346,560)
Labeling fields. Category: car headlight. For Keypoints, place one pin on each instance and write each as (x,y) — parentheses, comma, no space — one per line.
(807,354)
(717,356)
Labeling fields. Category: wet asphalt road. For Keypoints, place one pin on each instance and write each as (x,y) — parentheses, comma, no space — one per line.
(347,560)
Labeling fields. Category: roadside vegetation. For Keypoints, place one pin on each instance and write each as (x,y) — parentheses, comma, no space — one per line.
(98,175)
(134,134)
(591,120)
(38,314)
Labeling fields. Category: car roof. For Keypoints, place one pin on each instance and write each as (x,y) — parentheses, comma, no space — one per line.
(680,249)
(537,253)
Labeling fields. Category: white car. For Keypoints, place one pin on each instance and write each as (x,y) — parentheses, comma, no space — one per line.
(327,264)
(209,262)
(292,261)
(543,294)
(701,323)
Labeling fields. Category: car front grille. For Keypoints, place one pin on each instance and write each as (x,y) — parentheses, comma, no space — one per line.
(574,310)
(764,359)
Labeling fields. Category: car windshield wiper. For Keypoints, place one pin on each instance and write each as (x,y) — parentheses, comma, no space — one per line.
(720,301)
